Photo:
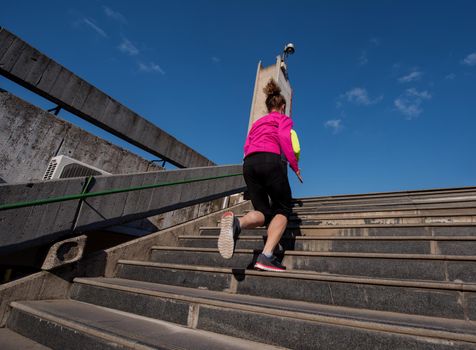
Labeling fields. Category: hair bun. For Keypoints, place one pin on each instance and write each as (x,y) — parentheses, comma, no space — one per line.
(272,89)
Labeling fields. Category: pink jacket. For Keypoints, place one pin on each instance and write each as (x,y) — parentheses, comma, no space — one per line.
(272,133)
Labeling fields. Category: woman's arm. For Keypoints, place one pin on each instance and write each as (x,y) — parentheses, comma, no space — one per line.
(284,133)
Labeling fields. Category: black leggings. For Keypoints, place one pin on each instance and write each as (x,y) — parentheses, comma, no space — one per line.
(266,177)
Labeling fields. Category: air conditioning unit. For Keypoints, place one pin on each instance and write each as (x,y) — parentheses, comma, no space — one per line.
(62,167)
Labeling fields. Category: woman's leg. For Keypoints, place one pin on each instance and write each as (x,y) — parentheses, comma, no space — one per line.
(252,219)
(231,226)
(267,260)
(275,231)
(280,193)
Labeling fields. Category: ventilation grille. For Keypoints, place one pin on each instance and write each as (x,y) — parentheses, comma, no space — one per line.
(77,170)
(51,169)
(62,167)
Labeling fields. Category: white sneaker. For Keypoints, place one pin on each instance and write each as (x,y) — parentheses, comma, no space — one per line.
(226,242)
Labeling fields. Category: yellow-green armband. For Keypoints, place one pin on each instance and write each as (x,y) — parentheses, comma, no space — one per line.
(295,143)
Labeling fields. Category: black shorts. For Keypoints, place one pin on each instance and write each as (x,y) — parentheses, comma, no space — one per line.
(267,179)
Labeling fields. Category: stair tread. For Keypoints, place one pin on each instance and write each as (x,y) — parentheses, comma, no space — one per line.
(430,191)
(344,238)
(410,199)
(406,213)
(10,340)
(431,224)
(312,275)
(330,254)
(299,309)
(382,207)
(130,330)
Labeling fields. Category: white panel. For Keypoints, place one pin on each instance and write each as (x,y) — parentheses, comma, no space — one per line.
(57,165)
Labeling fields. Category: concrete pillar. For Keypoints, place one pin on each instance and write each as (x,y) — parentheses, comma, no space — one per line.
(263,75)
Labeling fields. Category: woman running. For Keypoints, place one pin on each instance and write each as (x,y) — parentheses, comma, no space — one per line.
(265,173)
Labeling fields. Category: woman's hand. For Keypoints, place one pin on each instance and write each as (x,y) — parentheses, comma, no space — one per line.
(298,174)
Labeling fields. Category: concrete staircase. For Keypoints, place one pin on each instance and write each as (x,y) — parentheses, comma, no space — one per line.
(377,271)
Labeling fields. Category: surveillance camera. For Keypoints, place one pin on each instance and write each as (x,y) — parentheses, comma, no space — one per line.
(289,49)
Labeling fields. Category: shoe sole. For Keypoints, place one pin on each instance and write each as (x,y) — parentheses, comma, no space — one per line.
(268,268)
(226,243)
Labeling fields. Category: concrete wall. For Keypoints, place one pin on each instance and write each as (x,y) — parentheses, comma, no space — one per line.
(30,137)
(25,227)
(263,75)
(56,284)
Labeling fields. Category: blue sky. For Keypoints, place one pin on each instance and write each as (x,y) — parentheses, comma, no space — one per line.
(384,91)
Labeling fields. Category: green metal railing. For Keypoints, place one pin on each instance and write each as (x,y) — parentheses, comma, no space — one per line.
(84,195)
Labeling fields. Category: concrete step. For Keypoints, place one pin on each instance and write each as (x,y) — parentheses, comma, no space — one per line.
(385,214)
(443,245)
(381,265)
(437,299)
(408,200)
(359,207)
(386,205)
(437,229)
(389,213)
(286,323)
(311,220)
(67,324)
(394,196)
(10,340)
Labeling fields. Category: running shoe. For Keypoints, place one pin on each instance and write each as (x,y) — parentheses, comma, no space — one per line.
(226,242)
(269,264)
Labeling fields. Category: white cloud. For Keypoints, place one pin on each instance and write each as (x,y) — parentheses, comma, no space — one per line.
(114,15)
(334,124)
(375,41)
(90,23)
(216,59)
(450,76)
(413,76)
(150,67)
(470,60)
(408,108)
(363,60)
(128,48)
(419,94)
(409,103)
(360,96)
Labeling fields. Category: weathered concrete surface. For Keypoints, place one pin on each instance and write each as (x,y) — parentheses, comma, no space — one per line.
(66,324)
(65,252)
(10,340)
(39,286)
(30,68)
(56,284)
(263,75)
(33,226)
(105,263)
(30,137)
(341,309)
(21,228)
(123,207)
